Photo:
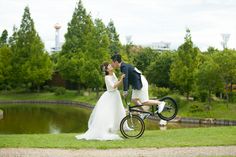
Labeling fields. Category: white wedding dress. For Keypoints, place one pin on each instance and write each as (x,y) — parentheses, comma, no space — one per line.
(104,121)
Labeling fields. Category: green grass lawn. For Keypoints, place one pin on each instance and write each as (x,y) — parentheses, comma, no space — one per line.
(215,136)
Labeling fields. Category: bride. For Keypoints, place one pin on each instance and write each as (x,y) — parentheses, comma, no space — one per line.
(105,118)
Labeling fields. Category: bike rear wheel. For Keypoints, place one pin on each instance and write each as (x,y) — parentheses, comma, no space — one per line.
(170,110)
(132,126)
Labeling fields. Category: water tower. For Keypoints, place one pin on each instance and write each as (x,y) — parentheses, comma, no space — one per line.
(57,27)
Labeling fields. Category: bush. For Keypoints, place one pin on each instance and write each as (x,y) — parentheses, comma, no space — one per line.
(49,88)
(200,95)
(180,103)
(203,96)
(159,91)
(5,87)
(60,91)
(233,99)
(195,108)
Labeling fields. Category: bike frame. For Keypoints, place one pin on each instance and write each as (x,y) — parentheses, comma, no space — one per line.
(134,109)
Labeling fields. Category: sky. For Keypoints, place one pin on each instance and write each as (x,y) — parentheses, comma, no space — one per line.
(146,21)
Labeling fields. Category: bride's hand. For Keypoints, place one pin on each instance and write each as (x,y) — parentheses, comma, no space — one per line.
(122,76)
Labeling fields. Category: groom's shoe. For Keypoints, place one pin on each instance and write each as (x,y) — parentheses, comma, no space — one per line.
(161,106)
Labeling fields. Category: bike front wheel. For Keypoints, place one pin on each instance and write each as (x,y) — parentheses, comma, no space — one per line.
(170,110)
(132,126)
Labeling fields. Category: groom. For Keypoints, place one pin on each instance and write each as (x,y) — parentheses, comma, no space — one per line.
(138,82)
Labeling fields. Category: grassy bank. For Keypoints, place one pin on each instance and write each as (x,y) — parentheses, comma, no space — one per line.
(69,95)
(218,109)
(215,136)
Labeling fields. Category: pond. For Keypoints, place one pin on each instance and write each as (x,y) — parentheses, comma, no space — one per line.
(54,119)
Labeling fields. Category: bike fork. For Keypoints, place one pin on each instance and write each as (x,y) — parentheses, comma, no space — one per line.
(132,123)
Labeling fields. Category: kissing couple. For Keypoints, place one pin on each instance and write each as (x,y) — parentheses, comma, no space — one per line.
(104,121)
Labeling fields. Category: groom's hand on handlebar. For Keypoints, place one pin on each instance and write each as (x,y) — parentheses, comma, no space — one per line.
(125,93)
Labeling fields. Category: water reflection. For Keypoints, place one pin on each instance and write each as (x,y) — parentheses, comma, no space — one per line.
(54,119)
(163,128)
(1,114)
(54,129)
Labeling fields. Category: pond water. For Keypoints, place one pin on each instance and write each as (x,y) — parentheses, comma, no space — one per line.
(29,119)
(53,119)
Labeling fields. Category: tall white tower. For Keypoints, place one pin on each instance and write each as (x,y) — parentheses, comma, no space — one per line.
(225,38)
(128,39)
(57,26)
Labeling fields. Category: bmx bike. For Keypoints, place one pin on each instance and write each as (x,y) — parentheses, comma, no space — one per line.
(133,126)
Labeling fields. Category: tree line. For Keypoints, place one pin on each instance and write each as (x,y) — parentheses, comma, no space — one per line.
(24,62)
(190,71)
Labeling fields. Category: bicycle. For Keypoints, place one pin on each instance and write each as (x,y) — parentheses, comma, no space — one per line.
(133,126)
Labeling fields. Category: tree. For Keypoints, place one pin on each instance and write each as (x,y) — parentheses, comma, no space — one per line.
(101,53)
(101,44)
(6,72)
(79,32)
(31,64)
(92,76)
(158,72)
(37,70)
(212,50)
(144,58)
(79,42)
(70,67)
(115,44)
(86,47)
(3,39)
(227,64)
(184,66)
(208,77)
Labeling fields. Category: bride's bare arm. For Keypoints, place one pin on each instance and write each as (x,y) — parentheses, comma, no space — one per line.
(119,82)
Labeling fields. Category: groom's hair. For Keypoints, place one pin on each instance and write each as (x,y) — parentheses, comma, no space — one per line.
(116,57)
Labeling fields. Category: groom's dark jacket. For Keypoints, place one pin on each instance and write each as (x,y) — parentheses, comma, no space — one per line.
(132,77)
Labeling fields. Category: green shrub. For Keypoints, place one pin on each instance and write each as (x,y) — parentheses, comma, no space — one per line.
(5,87)
(49,88)
(203,96)
(180,103)
(195,108)
(233,97)
(158,91)
(60,91)
(200,95)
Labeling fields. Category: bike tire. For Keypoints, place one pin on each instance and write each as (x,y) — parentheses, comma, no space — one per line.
(138,129)
(170,110)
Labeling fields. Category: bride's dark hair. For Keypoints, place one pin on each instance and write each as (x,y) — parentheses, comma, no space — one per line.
(104,68)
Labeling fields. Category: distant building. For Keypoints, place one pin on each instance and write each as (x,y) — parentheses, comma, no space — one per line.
(160,46)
